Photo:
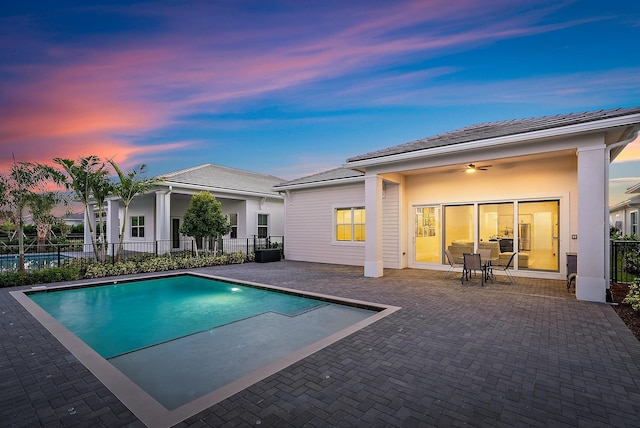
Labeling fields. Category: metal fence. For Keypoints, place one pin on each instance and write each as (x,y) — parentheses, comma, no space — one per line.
(45,256)
(625,261)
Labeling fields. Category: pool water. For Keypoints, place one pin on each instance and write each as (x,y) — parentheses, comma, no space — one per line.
(9,262)
(120,318)
(170,346)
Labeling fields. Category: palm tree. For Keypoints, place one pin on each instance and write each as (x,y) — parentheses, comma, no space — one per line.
(131,184)
(83,178)
(25,179)
(40,205)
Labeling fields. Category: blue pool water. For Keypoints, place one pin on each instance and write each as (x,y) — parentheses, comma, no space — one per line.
(120,318)
(9,262)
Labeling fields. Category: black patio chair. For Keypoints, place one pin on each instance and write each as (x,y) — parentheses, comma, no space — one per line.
(472,264)
(509,266)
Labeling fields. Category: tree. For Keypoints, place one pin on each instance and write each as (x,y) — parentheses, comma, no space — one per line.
(24,181)
(83,178)
(40,205)
(204,218)
(131,184)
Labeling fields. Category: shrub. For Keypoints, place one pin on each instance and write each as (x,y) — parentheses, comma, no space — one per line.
(83,268)
(633,295)
(44,276)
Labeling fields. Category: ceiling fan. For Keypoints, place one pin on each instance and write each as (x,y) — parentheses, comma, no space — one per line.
(471,168)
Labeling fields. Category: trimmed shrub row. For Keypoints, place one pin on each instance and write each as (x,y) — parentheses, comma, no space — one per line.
(81,269)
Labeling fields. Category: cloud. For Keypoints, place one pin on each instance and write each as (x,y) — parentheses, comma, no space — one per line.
(105,94)
(630,153)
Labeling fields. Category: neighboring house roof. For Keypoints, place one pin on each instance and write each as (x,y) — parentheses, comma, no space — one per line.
(220,178)
(326,177)
(74,216)
(629,203)
(485,131)
(633,189)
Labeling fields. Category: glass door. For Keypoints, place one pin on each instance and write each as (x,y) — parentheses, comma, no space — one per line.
(427,235)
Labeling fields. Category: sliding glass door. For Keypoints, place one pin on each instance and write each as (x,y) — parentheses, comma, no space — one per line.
(427,234)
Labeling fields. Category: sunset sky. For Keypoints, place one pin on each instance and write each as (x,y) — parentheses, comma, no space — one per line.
(292,87)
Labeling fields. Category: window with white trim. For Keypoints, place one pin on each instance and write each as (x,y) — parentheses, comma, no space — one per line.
(233,222)
(633,220)
(137,226)
(263,225)
(350,224)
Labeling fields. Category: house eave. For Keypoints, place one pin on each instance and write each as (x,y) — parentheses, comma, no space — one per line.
(600,125)
(322,183)
(219,190)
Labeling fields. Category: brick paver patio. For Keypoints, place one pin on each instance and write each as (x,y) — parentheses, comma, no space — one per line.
(455,355)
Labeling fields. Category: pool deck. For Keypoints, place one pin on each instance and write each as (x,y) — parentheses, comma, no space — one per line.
(455,355)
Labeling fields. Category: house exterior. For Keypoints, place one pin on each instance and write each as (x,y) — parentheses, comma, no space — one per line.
(624,215)
(247,198)
(535,187)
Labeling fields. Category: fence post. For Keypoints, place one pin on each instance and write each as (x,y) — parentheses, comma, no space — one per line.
(247,248)
(58,254)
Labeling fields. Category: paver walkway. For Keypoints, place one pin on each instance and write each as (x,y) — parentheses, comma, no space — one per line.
(454,355)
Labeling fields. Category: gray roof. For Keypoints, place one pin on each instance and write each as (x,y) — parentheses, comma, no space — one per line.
(326,177)
(485,131)
(220,177)
(633,189)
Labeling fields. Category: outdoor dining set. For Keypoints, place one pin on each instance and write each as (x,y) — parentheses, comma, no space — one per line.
(479,262)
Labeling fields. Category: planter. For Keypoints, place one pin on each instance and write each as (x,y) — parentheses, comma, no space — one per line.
(268,255)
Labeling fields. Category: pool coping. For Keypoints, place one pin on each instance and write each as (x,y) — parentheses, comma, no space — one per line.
(145,407)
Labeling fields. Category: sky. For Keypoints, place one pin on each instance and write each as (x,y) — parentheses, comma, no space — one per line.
(292,87)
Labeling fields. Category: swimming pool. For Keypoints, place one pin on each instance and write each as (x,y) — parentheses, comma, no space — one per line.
(169,347)
(9,262)
(120,318)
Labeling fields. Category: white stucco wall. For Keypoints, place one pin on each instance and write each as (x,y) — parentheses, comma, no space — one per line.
(536,179)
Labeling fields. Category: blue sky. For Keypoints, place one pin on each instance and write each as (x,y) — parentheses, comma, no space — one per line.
(291,88)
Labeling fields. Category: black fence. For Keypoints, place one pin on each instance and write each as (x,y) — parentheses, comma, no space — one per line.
(43,256)
(625,261)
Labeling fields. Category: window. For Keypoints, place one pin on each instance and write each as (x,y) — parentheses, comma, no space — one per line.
(137,226)
(263,225)
(350,224)
(233,222)
(634,223)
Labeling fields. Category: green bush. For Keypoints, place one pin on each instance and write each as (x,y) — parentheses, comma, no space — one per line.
(633,295)
(44,276)
(87,269)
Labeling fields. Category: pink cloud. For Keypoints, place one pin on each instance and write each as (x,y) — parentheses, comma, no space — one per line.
(99,101)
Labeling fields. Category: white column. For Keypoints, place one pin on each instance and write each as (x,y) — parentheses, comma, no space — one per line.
(373,266)
(163,220)
(89,219)
(591,281)
(113,224)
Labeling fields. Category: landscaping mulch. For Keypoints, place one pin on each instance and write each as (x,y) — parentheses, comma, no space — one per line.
(630,317)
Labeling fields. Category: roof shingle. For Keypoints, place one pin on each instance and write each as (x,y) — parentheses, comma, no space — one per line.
(485,131)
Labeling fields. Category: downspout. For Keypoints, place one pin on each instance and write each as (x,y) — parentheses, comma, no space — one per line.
(607,259)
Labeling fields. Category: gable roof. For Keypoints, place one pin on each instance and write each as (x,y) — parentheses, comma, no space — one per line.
(325,177)
(485,131)
(633,189)
(222,178)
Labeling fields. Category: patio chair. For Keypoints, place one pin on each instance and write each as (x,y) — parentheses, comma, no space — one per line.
(508,266)
(452,263)
(485,258)
(472,263)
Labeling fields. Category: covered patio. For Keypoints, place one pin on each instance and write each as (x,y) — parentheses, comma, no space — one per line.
(498,355)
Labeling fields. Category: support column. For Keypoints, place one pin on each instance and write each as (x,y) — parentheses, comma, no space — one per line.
(591,283)
(89,219)
(163,221)
(373,266)
(113,224)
